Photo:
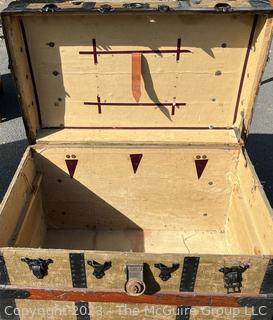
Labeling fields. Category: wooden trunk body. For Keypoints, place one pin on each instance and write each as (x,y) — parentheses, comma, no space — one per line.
(165,179)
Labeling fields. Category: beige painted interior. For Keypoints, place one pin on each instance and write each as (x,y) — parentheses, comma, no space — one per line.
(162,208)
(210,96)
(207,79)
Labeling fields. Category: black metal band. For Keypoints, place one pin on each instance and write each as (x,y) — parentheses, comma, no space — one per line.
(267,284)
(256,6)
(78,273)
(7,305)
(265,312)
(187,284)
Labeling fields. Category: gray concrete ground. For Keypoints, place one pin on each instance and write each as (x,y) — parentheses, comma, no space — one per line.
(13,140)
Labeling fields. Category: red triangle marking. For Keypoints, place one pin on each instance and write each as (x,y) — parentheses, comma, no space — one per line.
(135,159)
(200,166)
(71,166)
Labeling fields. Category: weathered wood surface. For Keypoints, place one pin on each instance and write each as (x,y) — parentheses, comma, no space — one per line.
(17,198)
(18,54)
(208,278)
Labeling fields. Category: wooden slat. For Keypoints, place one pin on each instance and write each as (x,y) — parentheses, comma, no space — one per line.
(27,221)
(18,53)
(145,137)
(259,213)
(256,64)
(17,198)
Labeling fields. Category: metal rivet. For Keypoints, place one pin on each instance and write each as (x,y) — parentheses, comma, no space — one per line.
(59,180)
(198,157)
(51,44)
(55,73)
(204,157)
(223,45)
(73,156)
(218,73)
(205,214)
(67,156)
(210,183)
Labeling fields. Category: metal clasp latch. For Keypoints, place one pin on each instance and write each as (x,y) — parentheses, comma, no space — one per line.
(233,277)
(39,267)
(135,285)
(166,272)
(99,269)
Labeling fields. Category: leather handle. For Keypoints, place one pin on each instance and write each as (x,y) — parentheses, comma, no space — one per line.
(136,75)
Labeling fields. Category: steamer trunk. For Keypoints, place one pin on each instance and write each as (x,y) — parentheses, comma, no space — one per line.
(136,197)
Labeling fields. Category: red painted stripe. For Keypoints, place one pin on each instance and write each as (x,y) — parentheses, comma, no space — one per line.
(135,51)
(122,104)
(157,298)
(178,49)
(95,51)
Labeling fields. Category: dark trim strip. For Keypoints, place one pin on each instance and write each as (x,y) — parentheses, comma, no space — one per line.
(125,104)
(4,277)
(31,71)
(78,274)
(251,37)
(7,306)
(173,109)
(178,49)
(190,268)
(266,288)
(174,104)
(95,51)
(90,8)
(267,284)
(162,297)
(99,104)
(136,51)
(143,128)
